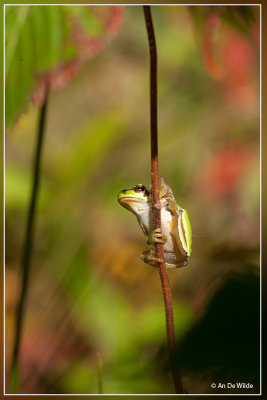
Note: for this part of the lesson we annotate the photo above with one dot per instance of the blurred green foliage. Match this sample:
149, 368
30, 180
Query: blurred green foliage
37, 40
90, 294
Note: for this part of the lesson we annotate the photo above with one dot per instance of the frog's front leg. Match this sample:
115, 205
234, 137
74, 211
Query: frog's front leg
156, 236
149, 257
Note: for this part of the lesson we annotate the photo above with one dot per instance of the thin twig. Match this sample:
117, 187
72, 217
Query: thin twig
27, 249
156, 207
100, 375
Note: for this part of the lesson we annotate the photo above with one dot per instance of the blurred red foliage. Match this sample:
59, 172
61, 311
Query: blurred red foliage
88, 46
232, 58
238, 61
58, 77
208, 48
224, 169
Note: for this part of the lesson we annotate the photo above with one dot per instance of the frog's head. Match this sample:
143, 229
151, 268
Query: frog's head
136, 199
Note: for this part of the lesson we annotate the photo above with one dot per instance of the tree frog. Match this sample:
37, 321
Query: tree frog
175, 234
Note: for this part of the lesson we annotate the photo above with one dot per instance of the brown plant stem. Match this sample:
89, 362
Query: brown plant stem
28, 244
156, 206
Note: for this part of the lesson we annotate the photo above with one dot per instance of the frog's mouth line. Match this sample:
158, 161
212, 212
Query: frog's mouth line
131, 198
126, 201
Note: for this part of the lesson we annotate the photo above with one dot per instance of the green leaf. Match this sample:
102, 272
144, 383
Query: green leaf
31, 49
90, 25
39, 42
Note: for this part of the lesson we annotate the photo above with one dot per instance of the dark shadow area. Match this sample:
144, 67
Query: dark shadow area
224, 346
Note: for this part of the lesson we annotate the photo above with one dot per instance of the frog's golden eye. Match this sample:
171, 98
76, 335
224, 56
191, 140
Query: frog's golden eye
139, 189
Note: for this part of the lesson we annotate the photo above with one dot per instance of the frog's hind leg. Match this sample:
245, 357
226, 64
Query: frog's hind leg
179, 265
172, 206
173, 262
149, 257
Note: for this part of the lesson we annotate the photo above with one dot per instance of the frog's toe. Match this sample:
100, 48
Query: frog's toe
149, 257
157, 236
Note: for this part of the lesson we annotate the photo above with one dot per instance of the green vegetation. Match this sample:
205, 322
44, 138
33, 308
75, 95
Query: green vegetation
90, 296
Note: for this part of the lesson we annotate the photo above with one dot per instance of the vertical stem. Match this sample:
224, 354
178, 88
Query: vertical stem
27, 250
100, 375
156, 206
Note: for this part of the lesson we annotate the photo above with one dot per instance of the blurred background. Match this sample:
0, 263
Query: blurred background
91, 300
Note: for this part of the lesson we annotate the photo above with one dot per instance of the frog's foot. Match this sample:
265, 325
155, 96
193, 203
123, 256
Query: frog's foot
150, 257
156, 236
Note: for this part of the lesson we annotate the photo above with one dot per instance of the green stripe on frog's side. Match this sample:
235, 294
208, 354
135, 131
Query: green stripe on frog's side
185, 232
175, 234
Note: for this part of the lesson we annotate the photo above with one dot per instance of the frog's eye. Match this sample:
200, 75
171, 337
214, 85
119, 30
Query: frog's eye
139, 188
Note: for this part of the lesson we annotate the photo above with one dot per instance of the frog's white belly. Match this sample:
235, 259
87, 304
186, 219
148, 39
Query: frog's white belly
170, 245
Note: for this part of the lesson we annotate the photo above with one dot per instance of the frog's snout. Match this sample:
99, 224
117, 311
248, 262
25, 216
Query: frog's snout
121, 193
